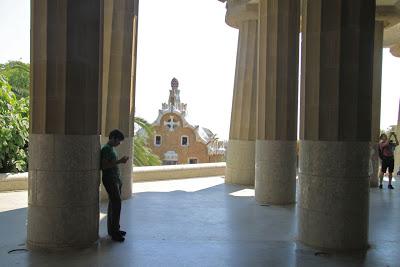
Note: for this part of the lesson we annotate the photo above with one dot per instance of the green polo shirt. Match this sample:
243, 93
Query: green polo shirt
108, 153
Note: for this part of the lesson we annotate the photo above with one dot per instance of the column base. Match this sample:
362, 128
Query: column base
63, 195
334, 195
240, 167
275, 172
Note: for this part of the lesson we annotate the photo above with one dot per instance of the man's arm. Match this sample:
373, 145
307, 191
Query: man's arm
395, 137
107, 164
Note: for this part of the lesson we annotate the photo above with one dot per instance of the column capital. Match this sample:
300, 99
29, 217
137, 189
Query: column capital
395, 50
238, 11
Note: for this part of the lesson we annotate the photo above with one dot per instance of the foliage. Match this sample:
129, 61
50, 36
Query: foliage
143, 156
14, 124
17, 74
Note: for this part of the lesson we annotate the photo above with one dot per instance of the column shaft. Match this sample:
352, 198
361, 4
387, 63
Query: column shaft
118, 81
376, 104
277, 101
336, 111
64, 148
397, 151
240, 157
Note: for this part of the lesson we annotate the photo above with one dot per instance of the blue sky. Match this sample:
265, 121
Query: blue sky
189, 40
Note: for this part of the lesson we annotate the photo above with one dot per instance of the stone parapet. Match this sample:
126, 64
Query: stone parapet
19, 181
154, 173
13, 181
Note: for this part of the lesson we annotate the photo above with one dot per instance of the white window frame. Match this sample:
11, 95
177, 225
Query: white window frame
187, 138
155, 140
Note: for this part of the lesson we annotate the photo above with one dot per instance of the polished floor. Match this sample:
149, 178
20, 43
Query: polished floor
203, 222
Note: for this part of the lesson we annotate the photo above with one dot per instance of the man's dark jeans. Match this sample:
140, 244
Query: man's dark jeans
113, 189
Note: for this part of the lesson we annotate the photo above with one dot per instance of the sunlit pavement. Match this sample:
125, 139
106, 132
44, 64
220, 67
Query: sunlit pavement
203, 222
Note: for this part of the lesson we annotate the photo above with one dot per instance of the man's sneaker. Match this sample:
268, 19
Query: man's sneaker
118, 238
123, 233
380, 186
390, 186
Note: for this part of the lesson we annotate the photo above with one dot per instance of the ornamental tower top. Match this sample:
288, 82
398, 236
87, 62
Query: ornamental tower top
174, 101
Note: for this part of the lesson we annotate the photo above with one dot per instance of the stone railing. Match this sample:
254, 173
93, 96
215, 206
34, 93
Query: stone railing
19, 181
13, 181
141, 174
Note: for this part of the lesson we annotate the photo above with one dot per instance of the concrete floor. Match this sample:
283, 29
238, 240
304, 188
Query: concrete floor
203, 222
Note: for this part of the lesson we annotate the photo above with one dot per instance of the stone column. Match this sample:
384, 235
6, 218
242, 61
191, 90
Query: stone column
64, 148
118, 81
241, 145
376, 104
336, 97
277, 101
397, 151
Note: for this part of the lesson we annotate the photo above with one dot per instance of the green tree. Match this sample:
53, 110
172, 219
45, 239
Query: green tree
17, 75
14, 125
143, 156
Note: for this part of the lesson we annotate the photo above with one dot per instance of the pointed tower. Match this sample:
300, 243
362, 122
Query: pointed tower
174, 101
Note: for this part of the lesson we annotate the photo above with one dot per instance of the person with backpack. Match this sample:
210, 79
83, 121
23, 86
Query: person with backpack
386, 153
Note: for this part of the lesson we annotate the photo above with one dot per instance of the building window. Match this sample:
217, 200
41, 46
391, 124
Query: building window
157, 140
170, 162
184, 140
192, 161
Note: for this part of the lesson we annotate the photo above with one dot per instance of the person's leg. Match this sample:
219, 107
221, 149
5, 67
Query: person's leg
381, 178
109, 216
107, 186
384, 166
391, 168
390, 180
123, 233
114, 209
117, 207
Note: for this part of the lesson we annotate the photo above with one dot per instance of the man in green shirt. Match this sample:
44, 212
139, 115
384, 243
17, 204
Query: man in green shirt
112, 183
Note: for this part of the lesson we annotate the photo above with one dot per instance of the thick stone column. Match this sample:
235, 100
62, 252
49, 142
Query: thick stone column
376, 104
241, 146
277, 101
336, 97
397, 151
118, 81
64, 148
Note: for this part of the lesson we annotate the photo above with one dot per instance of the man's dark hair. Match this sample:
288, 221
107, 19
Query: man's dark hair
117, 134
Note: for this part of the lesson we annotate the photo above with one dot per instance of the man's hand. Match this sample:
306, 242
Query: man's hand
124, 159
